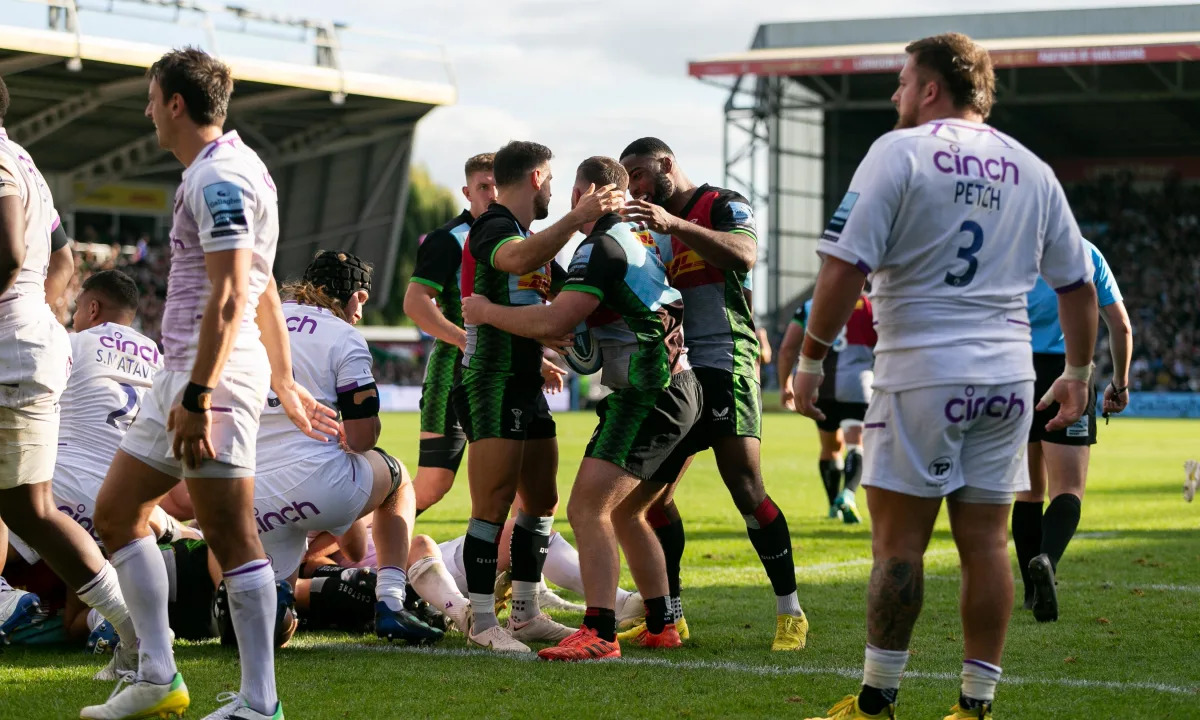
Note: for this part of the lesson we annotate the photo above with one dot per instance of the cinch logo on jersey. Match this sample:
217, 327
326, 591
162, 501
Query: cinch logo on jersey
272, 520
149, 353
85, 522
951, 163
298, 324
970, 407
123, 355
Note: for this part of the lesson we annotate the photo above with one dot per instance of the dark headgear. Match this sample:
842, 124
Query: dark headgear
339, 274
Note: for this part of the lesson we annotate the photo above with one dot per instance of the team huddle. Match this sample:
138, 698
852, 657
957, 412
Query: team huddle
263, 403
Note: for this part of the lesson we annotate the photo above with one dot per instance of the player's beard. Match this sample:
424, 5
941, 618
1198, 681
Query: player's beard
664, 189
905, 120
541, 207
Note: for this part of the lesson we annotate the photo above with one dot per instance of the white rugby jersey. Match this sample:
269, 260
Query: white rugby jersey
328, 357
19, 176
953, 221
227, 201
113, 368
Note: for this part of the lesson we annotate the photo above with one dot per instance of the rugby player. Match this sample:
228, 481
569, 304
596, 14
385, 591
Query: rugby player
708, 243
1058, 461
304, 485
499, 397
35, 362
225, 343
434, 302
843, 399
952, 220
617, 283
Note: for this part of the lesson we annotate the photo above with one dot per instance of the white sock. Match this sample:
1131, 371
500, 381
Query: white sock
103, 594
676, 607
483, 612
979, 680
252, 601
622, 596
94, 619
389, 587
433, 582
788, 605
140, 569
562, 564
525, 605
882, 668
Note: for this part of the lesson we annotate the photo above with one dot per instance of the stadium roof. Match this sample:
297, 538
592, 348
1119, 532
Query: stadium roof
1020, 52
95, 86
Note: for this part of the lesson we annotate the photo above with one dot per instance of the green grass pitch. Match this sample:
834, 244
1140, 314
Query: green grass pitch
1125, 646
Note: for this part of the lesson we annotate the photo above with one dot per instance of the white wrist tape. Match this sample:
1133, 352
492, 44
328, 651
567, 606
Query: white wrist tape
817, 340
1080, 374
810, 366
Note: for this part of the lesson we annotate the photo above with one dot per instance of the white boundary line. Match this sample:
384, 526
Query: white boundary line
760, 670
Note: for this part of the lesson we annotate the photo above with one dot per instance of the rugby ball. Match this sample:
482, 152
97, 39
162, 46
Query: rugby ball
583, 356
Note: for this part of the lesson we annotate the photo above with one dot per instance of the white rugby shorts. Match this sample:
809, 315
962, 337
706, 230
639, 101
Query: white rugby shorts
962, 440
452, 558
326, 493
237, 403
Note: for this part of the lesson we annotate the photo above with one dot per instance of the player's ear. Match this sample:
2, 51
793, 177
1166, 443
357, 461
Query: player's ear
667, 163
466, 191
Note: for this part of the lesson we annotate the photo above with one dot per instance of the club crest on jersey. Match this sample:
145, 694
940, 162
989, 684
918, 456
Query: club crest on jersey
740, 212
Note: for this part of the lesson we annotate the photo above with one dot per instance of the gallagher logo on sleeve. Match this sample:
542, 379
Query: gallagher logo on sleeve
224, 200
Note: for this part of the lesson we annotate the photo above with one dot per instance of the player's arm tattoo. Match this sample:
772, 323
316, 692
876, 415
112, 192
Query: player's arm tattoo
894, 602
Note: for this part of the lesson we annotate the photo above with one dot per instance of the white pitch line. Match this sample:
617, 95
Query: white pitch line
765, 670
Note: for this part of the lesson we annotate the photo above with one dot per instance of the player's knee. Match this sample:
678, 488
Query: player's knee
422, 546
747, 491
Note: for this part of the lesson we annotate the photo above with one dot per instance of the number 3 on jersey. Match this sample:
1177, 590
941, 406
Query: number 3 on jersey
968, 254
131, 399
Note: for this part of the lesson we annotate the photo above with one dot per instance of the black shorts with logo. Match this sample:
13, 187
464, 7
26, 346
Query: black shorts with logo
835, 412
1049, 367
502, 405
640, 430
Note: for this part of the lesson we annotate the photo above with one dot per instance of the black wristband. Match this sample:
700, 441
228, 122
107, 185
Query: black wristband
1117, 390
196, 398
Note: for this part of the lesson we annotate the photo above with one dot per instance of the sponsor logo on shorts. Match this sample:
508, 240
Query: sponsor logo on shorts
272, 520
939, 470
1079, 429
722, 414
516, 419
971, 406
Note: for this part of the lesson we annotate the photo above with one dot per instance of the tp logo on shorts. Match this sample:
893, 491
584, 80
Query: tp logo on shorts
940, 469
516, 419
970, 407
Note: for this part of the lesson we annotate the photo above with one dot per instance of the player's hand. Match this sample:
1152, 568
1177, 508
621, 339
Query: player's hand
192, 442
787, 398
652, 216
475, 308
311, 417
554, 377
1071, 396
558, 344
805, 395
1115, 402
595, 204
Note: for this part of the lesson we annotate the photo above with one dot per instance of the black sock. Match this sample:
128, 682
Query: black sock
831, 481
1058, 526
1027, 536
853, 468
658, 614
873, 700
603, 621
671, 537
768, 531
481, 548
528, 551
